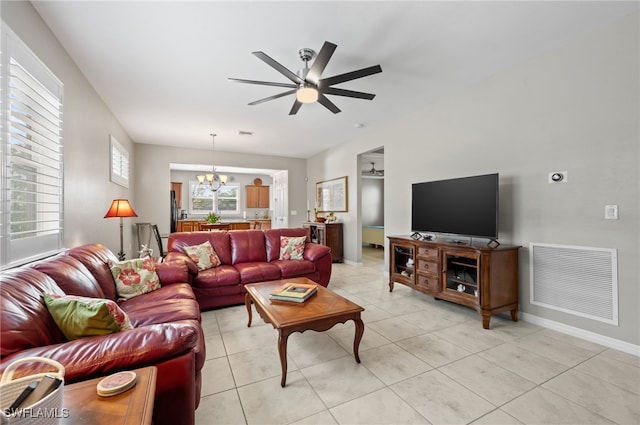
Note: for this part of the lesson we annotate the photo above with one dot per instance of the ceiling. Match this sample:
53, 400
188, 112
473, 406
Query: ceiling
162, 67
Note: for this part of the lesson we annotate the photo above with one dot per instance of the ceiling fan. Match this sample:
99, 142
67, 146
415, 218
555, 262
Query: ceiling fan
307, 84
373, 171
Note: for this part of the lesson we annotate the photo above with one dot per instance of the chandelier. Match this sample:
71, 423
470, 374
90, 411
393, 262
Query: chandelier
211, 180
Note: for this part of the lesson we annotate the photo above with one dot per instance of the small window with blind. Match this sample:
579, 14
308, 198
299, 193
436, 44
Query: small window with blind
119, 163
31, 185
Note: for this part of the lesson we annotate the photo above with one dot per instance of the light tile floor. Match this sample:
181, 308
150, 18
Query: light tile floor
423, 362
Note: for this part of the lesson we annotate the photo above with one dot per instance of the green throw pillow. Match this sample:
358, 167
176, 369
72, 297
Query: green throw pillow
78, 317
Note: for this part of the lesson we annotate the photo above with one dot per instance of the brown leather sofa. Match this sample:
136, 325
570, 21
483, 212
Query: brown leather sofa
247, 256
167, 331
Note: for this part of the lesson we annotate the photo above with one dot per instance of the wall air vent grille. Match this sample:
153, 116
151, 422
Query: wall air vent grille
582, 281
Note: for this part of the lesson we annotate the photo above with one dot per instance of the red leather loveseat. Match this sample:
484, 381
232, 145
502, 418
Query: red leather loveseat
167, 330
247, 256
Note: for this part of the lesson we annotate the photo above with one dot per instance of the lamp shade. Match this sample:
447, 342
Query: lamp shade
120, 208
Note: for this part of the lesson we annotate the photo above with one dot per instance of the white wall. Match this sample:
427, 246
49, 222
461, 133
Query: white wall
153, 178
576, 109
87, 125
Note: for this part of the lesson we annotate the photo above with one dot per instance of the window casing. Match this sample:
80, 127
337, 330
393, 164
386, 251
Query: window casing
31, 224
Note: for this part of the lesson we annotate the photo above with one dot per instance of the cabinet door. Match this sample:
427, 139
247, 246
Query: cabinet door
263, 196
333, 239
188, 226
252, 196
257, 196
461, 275
240, 226
402, 262
316, 233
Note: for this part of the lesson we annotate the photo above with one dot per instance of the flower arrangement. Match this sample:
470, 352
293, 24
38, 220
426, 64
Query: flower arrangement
212, 218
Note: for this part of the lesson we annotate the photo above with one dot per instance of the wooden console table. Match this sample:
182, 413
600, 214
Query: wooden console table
328, 234
132, 407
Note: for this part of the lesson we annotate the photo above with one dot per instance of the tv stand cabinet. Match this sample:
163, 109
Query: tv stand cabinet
480, 277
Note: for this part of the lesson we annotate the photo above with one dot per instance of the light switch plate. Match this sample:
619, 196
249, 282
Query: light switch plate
611, 212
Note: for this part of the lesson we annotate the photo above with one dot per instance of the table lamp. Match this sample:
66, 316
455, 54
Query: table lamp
120, 208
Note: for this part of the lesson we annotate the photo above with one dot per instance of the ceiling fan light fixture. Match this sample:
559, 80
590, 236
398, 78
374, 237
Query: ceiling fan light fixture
307, 81
307, 94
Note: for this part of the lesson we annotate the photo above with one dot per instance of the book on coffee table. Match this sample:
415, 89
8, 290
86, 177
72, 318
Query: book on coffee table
294, 292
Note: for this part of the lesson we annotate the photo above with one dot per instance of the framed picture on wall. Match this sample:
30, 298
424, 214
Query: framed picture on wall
332, 195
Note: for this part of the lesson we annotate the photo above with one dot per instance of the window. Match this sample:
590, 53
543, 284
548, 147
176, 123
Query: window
119, 163
31, 224
202, 199
228, 199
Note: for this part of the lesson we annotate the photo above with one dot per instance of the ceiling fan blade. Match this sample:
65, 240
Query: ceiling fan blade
341, 78
275, 96
324, 101
348, 93
278, 67
296, 107
263, 83
321, 61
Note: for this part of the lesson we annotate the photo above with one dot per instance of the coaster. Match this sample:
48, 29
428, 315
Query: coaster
116, 384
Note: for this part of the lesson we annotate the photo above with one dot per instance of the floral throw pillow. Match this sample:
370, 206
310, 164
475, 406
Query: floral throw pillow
135, 277
79, 317
292, 248
203, 255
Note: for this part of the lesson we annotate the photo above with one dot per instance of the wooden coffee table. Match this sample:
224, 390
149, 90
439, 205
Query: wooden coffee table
319, 313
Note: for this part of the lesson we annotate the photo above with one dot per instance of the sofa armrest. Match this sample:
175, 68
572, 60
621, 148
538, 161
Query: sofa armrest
175, 271
183, 258
102, 355
313, 251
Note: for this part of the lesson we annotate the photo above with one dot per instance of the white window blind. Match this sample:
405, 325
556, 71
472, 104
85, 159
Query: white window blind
32, 172
119, 163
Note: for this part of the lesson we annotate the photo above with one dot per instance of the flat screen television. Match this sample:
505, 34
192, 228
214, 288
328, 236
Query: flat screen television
466, 206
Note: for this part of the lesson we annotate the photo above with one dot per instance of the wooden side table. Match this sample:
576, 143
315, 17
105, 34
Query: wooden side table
132, 407
329, 234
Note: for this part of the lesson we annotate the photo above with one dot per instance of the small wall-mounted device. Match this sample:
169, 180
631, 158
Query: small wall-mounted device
558, 177
611, 212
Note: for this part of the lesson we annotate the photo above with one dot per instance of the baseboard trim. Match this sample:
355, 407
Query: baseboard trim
582, 334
